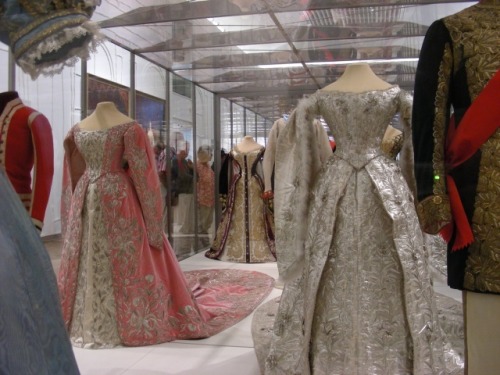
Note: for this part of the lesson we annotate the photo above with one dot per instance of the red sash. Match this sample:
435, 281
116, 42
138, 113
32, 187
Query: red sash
480, 122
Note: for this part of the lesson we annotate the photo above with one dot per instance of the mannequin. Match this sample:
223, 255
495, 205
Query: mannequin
245, 233
248, 144
104, 117
117, 267
358, 78
457, 183
27, 153
334, 219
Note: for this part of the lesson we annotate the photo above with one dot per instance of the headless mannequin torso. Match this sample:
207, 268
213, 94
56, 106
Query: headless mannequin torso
248, 144
357, 78
105, 116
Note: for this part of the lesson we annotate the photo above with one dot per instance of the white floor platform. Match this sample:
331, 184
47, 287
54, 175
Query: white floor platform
228, 353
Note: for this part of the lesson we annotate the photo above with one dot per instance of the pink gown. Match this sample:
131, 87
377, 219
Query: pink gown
119, 280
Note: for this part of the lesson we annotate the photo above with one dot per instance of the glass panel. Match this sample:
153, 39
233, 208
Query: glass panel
4, 67
110, 62
250, 123
182, 173
261, 130
204, 167
238, 129
150, 78
225, 126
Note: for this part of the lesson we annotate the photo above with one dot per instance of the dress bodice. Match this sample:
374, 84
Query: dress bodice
358, 120
91, 145
246, 160
102, 150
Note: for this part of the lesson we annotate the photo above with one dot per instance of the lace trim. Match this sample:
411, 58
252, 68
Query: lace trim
32, 61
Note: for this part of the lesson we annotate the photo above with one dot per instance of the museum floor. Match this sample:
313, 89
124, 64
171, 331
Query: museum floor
227, 353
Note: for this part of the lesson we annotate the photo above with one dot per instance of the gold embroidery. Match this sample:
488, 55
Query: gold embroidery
439, 132
476, 40
434, 211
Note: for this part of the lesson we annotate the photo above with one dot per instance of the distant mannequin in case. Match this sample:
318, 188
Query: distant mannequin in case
26, 149
245, 233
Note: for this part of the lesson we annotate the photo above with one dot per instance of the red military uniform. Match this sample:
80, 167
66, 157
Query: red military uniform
26, 152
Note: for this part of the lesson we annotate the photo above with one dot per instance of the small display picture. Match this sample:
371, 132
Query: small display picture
101, 90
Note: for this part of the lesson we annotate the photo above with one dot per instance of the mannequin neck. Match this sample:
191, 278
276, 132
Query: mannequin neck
248, 144
6, 97
105, 116
358, 78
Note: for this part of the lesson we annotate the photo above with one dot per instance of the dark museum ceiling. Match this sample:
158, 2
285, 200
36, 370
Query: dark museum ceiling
266, 54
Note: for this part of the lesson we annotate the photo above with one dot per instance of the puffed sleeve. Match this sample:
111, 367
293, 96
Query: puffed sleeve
142, 170
43, 171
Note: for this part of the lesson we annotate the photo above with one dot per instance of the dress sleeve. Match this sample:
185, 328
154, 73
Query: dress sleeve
142, 170
431, 114
73, 168
225, 174
297, 163
325, 150
270, 154
406, 156
43, 172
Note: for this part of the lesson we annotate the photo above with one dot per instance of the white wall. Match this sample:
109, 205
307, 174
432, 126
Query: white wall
58, 98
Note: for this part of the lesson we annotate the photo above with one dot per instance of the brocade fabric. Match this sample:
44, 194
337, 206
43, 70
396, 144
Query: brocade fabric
245, 233
119, 280
363, 301
459, 55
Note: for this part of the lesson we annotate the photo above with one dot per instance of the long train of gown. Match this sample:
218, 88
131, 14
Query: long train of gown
245, 233
119, 280
363, 302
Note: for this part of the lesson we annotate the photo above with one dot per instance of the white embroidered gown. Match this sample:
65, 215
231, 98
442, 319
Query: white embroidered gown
363, 302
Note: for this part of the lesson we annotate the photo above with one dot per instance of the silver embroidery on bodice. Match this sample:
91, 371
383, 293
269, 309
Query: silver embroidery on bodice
373, 111
91, 145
